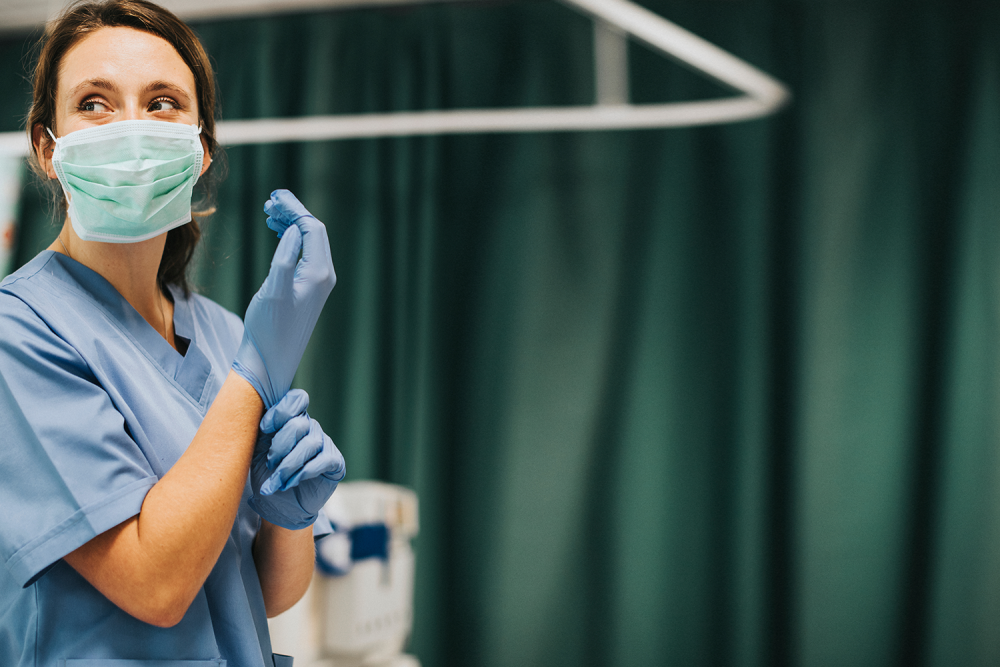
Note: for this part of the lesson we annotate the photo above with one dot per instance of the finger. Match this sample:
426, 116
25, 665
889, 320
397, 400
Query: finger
282, 478
293, 403
275, 224
275, 218
287, 205
286, 440
315, 249
285, 258
305, 449
283, 209
328, 463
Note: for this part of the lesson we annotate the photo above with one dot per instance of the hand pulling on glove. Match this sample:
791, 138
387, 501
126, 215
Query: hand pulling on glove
296, 467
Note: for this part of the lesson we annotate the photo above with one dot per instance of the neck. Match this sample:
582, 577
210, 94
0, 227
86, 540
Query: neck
130, 268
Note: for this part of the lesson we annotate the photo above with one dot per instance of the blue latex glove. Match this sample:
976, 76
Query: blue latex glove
281, 316
295, 467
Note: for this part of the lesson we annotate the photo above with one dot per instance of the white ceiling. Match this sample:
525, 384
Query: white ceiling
27, 14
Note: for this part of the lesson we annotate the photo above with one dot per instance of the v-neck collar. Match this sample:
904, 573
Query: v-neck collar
190, 370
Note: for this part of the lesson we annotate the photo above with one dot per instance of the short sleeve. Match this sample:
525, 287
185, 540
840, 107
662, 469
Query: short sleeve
69, 469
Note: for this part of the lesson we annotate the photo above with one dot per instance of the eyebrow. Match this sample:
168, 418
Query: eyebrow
94, 83
164, 85
152, 87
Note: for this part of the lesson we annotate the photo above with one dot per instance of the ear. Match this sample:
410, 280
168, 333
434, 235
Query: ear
42, 145
206, 159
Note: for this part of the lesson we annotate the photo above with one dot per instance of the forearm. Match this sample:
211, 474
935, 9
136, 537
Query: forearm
284, 560
153, 565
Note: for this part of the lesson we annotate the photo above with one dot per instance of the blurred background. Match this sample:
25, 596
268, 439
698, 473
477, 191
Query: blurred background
723, 395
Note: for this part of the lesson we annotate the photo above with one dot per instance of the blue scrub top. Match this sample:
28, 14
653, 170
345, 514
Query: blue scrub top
95, 407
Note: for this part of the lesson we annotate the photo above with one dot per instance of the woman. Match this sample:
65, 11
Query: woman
134, 411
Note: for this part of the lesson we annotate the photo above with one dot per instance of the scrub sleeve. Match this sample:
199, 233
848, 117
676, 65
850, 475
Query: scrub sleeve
74, 472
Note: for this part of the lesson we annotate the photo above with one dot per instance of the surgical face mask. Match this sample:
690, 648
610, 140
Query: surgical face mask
130, 180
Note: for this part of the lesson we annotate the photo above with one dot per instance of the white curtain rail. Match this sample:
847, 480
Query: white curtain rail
761, 96
483, 121
687, 48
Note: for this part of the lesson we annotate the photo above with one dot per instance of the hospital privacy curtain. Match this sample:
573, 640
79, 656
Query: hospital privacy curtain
712, 396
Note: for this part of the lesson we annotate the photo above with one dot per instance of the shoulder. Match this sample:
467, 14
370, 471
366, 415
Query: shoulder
37, 358
28, 278
44, 287
40, 302
36, 265
26, 306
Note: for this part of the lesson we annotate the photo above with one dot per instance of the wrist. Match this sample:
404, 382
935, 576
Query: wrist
273, 530
249, 366
283, 510
248, 395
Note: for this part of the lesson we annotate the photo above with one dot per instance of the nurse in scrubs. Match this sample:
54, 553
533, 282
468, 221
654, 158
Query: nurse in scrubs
159, 481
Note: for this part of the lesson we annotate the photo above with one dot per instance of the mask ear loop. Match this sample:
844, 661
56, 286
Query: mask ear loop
200, 154
58, 169
200, 128
54, 140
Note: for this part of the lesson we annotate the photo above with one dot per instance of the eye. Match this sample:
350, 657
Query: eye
94, 105
163, 104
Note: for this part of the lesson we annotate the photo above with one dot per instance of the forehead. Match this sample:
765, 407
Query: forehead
130, 58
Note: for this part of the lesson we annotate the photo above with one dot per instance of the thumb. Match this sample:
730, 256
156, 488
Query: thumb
295, 402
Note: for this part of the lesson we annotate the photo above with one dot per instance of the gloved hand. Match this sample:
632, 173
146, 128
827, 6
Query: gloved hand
295, 467
281, 316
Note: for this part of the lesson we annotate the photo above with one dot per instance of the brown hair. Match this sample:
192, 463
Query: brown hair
83, 18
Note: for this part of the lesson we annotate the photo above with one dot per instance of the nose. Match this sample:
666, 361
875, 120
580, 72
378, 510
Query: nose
132, 110
131, 107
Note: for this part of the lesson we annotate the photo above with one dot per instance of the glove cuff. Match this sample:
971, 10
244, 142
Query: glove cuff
291, 521
250, 366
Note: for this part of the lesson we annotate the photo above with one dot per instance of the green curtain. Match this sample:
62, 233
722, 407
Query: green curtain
707, 396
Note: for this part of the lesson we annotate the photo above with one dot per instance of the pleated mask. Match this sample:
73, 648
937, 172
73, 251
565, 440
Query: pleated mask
130, 180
